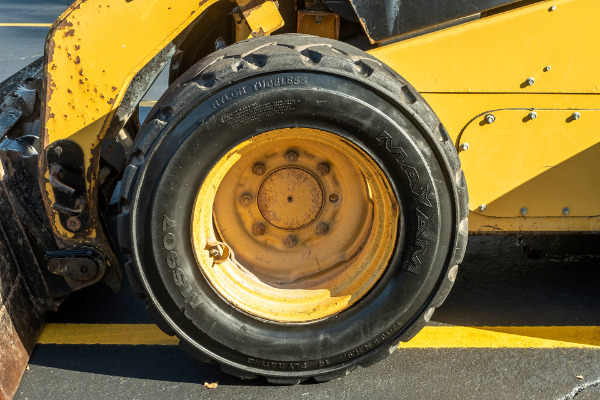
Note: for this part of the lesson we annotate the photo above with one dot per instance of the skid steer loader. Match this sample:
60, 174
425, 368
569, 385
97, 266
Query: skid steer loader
294, 205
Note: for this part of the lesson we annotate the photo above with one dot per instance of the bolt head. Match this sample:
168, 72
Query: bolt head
532, 115
322, 229
334, 197
530, 81
490, 118
548, 68
552, 8
323, 168
464, 146
73, 224
482, 208
258, 169
291, 156
566, 211
246, 199
576, 115
290, 241
258, 229
523, 211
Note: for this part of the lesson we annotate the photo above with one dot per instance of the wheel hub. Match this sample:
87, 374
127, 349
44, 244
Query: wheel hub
290, 198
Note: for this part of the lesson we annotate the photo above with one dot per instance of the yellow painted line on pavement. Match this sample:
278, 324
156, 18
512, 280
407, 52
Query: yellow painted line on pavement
430, 337
23, 24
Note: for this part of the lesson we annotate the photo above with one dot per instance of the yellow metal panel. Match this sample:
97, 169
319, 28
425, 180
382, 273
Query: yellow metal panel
545, 163
262, 17
499, 53
93, 51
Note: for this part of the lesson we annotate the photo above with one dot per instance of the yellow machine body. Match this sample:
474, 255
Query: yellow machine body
523, 174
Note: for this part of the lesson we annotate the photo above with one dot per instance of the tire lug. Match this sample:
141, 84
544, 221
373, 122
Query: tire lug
323, 168
246, 199
258, 169
291, 156
290, 241
322, 229
258, 229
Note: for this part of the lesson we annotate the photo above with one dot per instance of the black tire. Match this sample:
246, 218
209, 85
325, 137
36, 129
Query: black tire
337, 88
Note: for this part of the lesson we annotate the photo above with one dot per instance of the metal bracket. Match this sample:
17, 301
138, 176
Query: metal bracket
79, 267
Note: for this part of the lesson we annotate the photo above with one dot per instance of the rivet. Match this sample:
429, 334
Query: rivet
530, 81
566, 211
576, 115
523, 211
490, 118
464, 146
291, 156
532, 115
323, 168
334, 197
322, 229
258, 169
552, 8
246, 199
482, 208
258, 229
290, 241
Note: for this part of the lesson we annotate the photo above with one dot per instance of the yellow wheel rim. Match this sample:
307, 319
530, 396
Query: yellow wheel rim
294, 225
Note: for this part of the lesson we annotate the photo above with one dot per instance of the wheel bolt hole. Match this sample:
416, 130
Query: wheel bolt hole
290, 199
334, 198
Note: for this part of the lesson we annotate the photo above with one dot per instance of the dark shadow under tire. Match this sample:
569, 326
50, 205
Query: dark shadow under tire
262, 85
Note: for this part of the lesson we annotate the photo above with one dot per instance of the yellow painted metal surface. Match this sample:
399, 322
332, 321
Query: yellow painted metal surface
319, 23
544, 165
499, 53
263, 18
303, 242
93, 51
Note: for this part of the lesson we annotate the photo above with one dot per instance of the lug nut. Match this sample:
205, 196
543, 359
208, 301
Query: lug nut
246, 199
490, 118
322, 229
258, 229
290, 241
334, 197
291, 156
323, 168
258, 169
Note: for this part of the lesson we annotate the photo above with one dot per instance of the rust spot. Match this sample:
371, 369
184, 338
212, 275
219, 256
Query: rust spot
69, 90
114, 88
53, 66
77, 47
81, 81
51, 116
95, 90
77, 60
111, 101
81, 72
70, 32
101, 96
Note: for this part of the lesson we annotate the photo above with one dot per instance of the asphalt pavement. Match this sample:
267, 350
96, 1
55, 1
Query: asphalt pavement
529, 306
